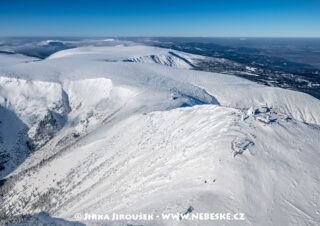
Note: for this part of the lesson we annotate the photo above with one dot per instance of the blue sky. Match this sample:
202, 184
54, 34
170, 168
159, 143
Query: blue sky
226, 18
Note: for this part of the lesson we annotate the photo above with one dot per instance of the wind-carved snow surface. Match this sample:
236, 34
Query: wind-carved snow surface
131, 129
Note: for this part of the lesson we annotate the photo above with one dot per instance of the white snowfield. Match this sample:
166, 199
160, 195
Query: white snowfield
132, 129
11, 58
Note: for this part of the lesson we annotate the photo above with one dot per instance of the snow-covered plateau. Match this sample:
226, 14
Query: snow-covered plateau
132, 129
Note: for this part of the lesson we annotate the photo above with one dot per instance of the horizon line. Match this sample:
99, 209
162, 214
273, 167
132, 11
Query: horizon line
145, 36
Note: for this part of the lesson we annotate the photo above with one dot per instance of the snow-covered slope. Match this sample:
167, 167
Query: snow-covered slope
11, 58
131, 129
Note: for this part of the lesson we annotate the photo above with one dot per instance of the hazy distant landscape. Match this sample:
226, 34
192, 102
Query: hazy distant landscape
291, 63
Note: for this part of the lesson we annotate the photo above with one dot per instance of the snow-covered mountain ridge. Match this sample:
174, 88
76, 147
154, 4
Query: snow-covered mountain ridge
132, 129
